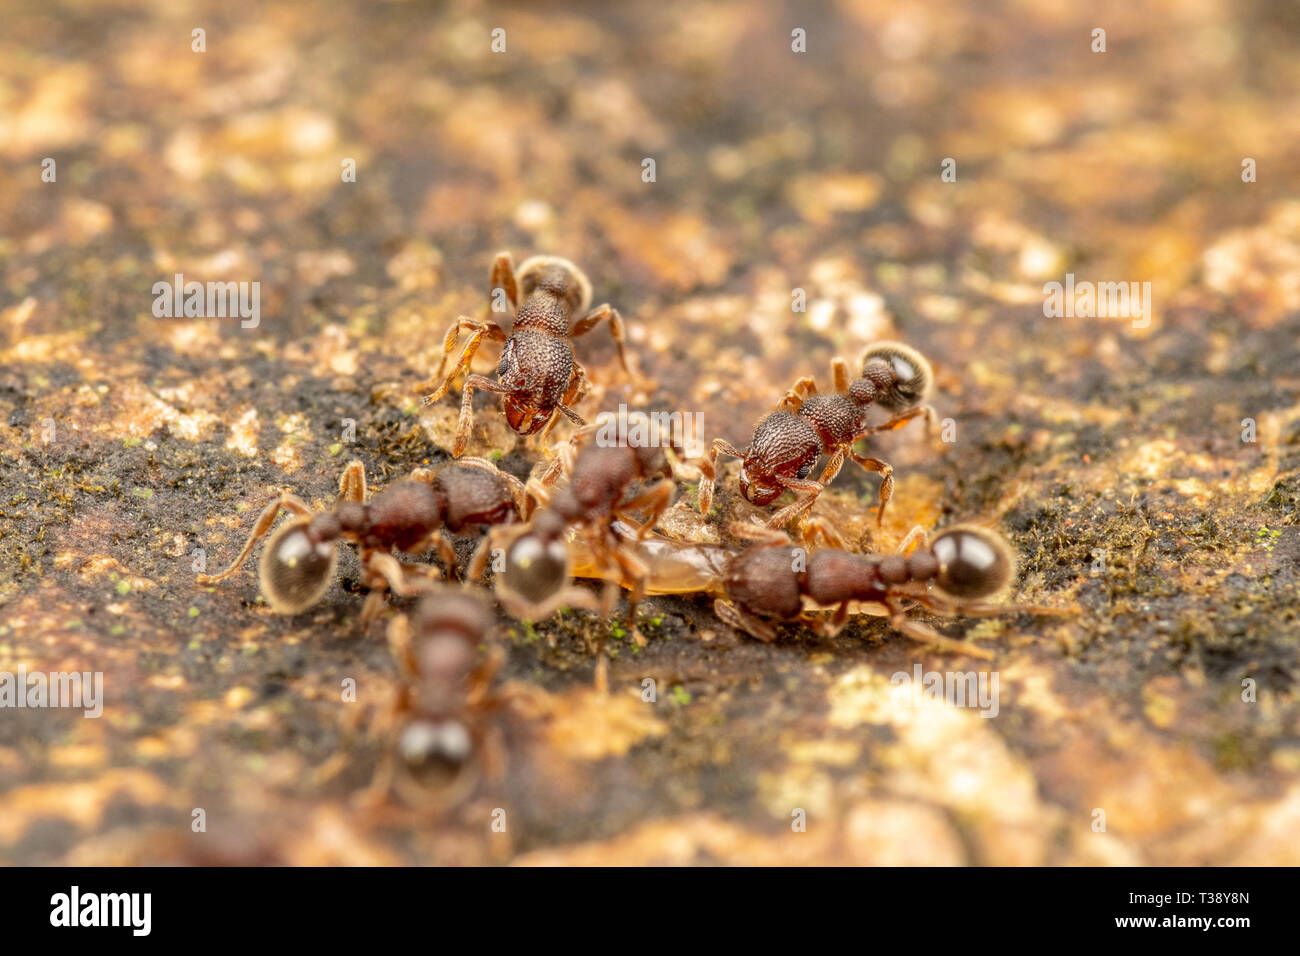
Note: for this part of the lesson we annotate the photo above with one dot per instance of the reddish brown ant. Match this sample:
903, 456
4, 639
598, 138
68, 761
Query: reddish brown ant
787, 442
441, 746
538, 373
960, 571
606, 486
299, 560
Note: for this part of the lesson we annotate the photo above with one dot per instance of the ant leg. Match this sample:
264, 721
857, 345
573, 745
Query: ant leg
886, 472
834, 465
480, 678
791, 511
479, 329
936, 602
840, 375
571, 415
399, 642
656, 499
570, 596
288, 502
380, 784
503, 278
568, 455
466, 420
538, 494
372, 607
898, 421
759, 534
816, 528
801, 508
916, 534
446, 553
616, 329
798, 392
709, 471
928, 635
837, 621
352, 483
478, 562
498, 537
386, 573
730, 614
635, 571
397, 576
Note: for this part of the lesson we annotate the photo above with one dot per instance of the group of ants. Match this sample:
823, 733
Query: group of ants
592, 512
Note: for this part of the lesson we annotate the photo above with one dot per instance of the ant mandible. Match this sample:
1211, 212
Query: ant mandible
538, 373
787, 442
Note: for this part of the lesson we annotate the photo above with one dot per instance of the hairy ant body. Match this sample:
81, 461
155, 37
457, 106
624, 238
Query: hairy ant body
958, 572
538, 373
606, 488
300, 558
441, 745
787, 442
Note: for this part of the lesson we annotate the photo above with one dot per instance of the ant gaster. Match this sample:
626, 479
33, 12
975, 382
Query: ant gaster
787, 442
538, 373
299, 560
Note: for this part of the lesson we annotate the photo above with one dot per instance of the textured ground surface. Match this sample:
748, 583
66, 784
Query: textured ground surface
1111, 456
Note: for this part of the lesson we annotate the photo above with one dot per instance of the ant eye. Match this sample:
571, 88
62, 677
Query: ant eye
536, 569
973, 562
295, 570
911, 373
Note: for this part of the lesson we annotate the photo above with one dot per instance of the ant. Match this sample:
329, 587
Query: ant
959, 571
538, 373
443, 747
606, 488
787, 442
299, 560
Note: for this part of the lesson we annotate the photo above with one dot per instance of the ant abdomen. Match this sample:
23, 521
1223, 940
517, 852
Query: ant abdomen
558, 278
537, 563
973, 563
901, 374
296, 568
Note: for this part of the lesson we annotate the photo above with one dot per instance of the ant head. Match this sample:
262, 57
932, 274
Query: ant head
758, 491
537, 564
555, 275
296, 568
436, 747
974, 563
900, 373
